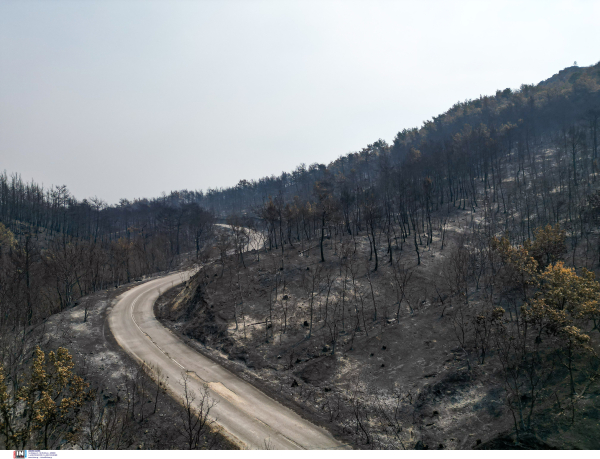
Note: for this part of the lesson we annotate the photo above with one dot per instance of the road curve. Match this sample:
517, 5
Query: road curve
248, 415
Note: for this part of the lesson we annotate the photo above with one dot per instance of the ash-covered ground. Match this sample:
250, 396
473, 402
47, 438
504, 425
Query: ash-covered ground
374, 356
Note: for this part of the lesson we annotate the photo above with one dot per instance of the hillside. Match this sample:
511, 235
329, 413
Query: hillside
435, 293
570, 75
525, 118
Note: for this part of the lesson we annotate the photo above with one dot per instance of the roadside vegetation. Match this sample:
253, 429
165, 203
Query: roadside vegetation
84, 393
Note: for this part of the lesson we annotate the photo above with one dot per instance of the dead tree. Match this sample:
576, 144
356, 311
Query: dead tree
194, 422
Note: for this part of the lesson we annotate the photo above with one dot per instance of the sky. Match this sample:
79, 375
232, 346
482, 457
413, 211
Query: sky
127, 99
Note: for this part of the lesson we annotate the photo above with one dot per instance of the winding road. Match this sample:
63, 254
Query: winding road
251, 418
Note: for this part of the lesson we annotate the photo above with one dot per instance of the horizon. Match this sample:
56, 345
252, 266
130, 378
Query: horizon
256, 179
87, 87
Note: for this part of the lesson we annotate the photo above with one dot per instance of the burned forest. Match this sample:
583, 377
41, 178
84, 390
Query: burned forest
436, 292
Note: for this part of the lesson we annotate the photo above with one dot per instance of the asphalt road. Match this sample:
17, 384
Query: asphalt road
249, 416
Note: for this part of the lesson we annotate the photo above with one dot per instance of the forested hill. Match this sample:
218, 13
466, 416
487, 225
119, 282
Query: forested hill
569, 75
568, 101
530, 155
466, 142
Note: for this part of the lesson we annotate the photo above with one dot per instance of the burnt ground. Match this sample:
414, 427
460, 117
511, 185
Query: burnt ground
401, 384
109, 370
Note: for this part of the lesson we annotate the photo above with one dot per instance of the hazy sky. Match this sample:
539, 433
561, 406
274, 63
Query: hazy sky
129, 99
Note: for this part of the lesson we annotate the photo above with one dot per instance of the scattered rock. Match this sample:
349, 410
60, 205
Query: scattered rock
295, 383
382, 365
383, 348
285, 297
372, 354
306, 323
